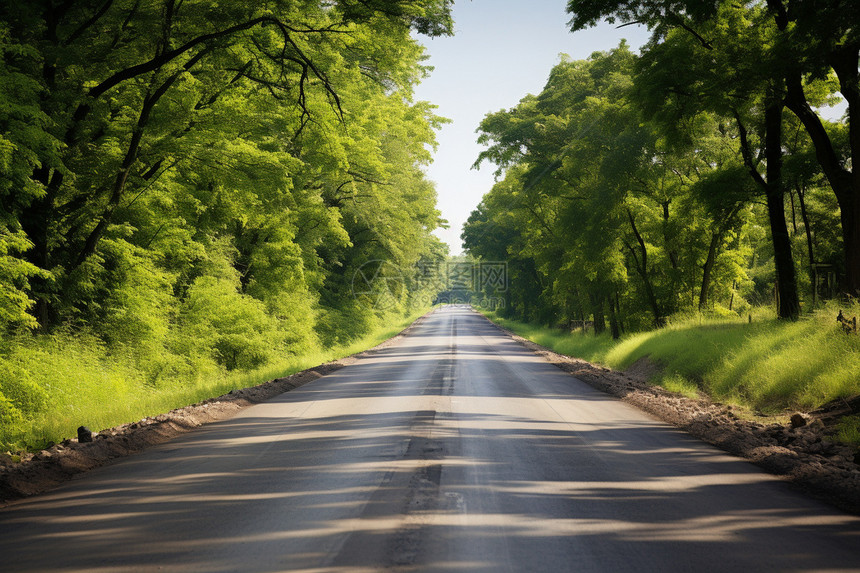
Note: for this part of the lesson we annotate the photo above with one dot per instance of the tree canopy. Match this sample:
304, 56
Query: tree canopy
198, 183
633, 188
763, 57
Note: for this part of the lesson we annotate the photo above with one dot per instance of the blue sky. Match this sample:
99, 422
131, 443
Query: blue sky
501, 51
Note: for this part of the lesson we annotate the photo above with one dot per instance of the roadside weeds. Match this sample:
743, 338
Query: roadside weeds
47, 469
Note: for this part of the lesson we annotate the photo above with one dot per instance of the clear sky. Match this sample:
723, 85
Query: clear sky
501, 51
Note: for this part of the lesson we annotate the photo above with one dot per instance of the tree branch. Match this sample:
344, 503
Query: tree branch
746, 152
796, 101
155, 63
89, 23
121, 179
680, 22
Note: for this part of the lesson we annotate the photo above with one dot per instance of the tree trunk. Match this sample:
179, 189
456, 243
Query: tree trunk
804, 215
597, 312
642, 269
806, 226
788, 305
845, 64
850, 216
845, 183
706, 270
793, 213
613, 320
786, 281
667, 239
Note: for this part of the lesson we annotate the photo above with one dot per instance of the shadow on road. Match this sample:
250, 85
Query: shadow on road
439, 456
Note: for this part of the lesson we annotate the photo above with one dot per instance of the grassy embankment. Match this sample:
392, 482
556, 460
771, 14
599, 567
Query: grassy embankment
765, 366
85, 386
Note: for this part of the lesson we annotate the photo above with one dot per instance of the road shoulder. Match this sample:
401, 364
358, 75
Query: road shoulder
802, 456
47, 469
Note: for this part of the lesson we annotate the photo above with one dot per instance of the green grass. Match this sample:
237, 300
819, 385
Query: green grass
767, 366
87, 387
585, 346
680, 385
849, 430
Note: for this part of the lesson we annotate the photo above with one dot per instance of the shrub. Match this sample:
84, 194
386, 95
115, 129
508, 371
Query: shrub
233, 328
9, 414
18, 387
14, 279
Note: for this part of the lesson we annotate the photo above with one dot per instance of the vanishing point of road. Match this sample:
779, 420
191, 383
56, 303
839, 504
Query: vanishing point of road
455, 449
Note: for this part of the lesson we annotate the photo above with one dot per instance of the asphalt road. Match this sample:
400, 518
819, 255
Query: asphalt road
454, 450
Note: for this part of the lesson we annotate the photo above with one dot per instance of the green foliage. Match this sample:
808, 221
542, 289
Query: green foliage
747, 62
90, 387
234, 328
287, 130
10, 416
653, 13
598, 216
849, 430
15, 273
188, 188
634, 188
17, 385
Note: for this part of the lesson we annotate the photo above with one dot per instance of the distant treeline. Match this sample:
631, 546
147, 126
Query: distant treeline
697, 176
197, 184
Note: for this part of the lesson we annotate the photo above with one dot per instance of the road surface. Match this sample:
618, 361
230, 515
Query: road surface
454, 450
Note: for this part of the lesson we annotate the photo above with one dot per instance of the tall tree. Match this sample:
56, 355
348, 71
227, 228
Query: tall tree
808, 40
131, 89
618, 220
